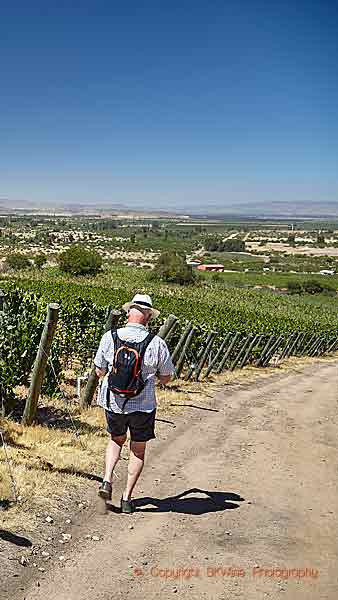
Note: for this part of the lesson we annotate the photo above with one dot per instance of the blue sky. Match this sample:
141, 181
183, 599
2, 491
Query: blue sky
169, 104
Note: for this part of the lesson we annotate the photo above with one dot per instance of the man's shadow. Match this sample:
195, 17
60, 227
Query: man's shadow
12, 538
212, 502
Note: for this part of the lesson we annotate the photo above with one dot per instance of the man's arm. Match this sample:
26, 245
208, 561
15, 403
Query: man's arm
165, 368
164, 379
100, 372
100, 362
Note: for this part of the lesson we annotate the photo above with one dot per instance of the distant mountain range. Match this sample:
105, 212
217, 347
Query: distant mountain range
104, 209
275, 210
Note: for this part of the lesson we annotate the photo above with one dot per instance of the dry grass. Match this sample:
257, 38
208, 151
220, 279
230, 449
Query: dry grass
49, 464
52, 467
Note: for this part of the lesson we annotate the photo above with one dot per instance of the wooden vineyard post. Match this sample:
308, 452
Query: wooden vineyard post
271, 351
171, 332
325, 345
299, 335
320, 350
333, 346
316, 348
194, 364
208, 345
246, 343
242, 363
297, 350
40, 364
265, 350
112, 320
180, 361
202, 357
329, 341
299, 344
308, 345
181, 342
213, 363
312, 346
288, 344
93, 380
228, 352
167, 327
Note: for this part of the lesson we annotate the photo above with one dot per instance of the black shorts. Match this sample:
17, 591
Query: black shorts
140, 424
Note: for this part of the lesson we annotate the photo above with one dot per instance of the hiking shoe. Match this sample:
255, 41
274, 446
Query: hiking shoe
127, 506
105, 490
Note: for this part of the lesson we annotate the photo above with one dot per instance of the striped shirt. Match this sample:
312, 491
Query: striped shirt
156, 360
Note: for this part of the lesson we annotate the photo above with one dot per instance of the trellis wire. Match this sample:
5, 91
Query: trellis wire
66, 401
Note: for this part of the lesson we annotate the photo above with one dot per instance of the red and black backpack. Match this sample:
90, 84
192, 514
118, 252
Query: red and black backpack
125, 378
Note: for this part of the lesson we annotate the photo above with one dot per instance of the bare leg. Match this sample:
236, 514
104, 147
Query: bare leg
112, 455
135, 466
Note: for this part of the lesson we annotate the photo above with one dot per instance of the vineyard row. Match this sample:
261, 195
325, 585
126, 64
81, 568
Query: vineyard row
198, 350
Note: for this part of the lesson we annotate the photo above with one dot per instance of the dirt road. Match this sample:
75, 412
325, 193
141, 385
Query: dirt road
249, 486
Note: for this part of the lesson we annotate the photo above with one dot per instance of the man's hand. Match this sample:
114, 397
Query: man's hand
164, 379
100, 372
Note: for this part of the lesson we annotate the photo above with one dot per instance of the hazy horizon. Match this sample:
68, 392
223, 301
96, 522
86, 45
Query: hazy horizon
273, 210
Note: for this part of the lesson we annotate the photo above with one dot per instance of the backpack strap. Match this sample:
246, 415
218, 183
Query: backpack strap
142, 345
116, 341
145, 343
108, 397
115, 337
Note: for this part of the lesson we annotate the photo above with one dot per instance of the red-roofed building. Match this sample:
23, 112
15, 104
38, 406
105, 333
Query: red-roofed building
217, 268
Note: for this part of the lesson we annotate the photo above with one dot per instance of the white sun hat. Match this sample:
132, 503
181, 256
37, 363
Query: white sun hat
141, 301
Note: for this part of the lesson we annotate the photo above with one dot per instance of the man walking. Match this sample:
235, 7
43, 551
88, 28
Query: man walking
129, 360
